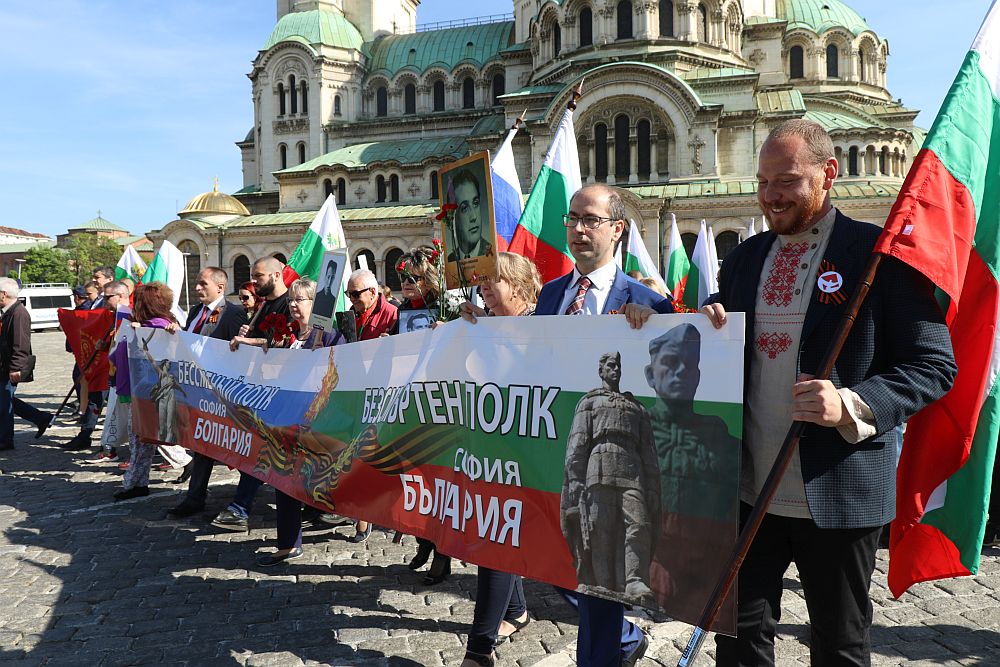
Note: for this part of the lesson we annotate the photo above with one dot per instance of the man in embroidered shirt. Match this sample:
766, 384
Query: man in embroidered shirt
828, 511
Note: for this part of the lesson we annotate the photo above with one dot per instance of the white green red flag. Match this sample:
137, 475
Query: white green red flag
636, 256
168, 267
678, 265
130, 265
325, 233
946, 224
540, 235
703, 277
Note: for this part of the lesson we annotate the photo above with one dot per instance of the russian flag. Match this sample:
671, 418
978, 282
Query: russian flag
507, 202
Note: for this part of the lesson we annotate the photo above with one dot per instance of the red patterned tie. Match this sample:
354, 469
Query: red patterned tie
575, 306
201, 320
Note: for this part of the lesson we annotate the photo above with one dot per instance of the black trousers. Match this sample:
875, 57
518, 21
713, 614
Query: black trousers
499, 597
835, 568
201, 473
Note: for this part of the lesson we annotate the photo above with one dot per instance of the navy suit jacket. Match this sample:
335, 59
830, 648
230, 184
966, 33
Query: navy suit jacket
623, 290
231, 319
898, 358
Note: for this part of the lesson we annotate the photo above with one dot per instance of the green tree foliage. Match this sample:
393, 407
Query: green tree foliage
88, 251
46, 265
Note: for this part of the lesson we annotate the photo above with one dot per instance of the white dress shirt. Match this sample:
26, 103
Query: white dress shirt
211, 309
601, 281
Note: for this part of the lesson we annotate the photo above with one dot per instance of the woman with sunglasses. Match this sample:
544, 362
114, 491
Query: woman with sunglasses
248, 297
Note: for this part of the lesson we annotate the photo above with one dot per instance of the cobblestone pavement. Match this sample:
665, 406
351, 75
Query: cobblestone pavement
85, 581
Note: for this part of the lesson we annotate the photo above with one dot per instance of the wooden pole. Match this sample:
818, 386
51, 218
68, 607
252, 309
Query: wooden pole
725, 583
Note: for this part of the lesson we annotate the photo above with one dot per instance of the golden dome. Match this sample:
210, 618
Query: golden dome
214, 203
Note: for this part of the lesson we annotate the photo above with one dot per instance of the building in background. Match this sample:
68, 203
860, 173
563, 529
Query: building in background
105, 229
13, 244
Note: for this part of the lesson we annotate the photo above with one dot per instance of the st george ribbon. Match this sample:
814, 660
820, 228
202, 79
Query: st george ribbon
575, 451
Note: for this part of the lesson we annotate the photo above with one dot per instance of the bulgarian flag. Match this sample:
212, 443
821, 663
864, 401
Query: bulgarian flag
636, 256
946, 224
678, 264
168, 267
325, 233
703, 277
540, 235
130, 265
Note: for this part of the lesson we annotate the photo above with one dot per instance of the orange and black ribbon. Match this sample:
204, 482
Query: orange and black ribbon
838, 297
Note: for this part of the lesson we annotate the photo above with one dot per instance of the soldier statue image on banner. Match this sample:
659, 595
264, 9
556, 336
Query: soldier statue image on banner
610, 502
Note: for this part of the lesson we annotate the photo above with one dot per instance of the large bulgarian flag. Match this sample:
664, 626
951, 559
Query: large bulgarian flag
946, 224
326, 232
540, 235
168, 267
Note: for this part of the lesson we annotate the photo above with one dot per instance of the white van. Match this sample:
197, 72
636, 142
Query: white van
43, 300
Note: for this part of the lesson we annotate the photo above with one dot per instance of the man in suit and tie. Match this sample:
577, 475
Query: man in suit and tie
793, 282
102, 275
596, 286
214, 317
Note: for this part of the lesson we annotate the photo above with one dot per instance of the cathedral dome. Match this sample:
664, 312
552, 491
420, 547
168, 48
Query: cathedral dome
316, 26
214, 203
820, 16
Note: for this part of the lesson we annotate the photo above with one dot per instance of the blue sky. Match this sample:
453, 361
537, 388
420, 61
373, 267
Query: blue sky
132, 108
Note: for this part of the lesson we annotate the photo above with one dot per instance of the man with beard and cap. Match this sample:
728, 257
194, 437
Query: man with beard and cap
273, 297
699, 476
826, 515
610, 498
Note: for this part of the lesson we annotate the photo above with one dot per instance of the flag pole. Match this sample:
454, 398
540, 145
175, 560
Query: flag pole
725, 583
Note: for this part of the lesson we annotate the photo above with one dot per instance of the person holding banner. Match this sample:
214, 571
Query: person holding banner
829, 509
374, 315
248, 298
302, 296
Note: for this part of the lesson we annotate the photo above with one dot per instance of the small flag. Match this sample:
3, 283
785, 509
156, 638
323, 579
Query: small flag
678, 264
636, 256
325, 233
702, 281
168, 267
130, 265
507, 202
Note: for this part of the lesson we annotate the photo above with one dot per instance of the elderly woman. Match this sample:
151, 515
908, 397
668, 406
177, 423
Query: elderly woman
301, 296
500, 609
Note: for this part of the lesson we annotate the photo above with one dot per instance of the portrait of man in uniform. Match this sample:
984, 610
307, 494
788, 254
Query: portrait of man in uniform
469, 233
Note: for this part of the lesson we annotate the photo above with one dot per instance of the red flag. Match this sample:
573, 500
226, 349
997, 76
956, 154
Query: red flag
83, 329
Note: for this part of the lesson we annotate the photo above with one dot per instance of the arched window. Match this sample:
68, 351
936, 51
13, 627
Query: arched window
394, 188
796, 69
411, 57
666, 18
336, 105
688, 241
327, 188
439, 95
369, 259
381, 102
623, 151
883, 161
702, 22
380, 188
292, 91
281, 99
499, 88
725, 242
280, 257
341, 192
302, 153
601, 152
556, 40
861, 67
468, 93
625, 19
283, 156
852, 161
192, 265
434, 185
410, 99
643, 147
304, 92
391, 277
586, 26
832, 62
241, 271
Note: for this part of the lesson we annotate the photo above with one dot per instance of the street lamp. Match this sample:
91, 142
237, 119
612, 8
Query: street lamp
20, 262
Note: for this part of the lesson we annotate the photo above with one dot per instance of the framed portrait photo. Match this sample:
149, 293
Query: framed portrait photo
328, 282
470, 239
415, 320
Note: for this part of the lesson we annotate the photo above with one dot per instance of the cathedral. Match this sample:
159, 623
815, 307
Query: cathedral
356, 99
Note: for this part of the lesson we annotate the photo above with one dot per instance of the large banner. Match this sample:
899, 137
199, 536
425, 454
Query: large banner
570, 450
84, 329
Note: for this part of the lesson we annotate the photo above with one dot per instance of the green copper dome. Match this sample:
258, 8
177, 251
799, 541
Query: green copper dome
316, 26
820, 16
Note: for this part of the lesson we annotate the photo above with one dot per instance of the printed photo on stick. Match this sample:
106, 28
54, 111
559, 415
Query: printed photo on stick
415, 320
468, 225
328, 285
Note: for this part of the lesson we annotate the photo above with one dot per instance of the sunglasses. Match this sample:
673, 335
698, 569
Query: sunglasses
409, 278
356, 293
245, 298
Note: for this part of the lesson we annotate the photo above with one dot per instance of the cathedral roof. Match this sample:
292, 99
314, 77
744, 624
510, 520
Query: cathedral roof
404, 151
446, 48
316, 26
98, 224
214, 203
820, 16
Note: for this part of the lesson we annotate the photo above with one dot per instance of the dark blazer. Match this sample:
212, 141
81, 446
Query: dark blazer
228, 325
15, 340
898, 358
623, 290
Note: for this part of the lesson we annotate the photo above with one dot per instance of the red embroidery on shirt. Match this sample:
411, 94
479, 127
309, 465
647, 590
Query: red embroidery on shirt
773, 343
781, 280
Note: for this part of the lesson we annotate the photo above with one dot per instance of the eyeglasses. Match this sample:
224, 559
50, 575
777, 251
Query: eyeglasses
588, 221
301, 298
356, 293
245, 298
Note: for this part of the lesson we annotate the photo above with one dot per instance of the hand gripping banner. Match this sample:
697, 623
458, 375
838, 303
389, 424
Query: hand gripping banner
575, 451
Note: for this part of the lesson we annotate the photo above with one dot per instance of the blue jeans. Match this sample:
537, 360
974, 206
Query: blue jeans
7, 415
605, 638
95, 403
499, 597
246, 490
